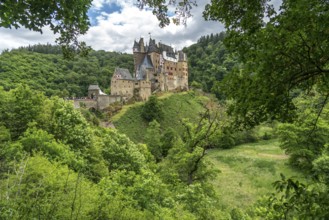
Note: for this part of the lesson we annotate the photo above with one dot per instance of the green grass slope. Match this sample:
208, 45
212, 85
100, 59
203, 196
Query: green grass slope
248, 171
175, 107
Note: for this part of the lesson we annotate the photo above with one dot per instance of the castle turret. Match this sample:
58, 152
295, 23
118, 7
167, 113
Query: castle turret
136, 46
141, 45
139, 54
153, 47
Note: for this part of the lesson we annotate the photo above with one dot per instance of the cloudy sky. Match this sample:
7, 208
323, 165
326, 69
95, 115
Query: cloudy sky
115, 24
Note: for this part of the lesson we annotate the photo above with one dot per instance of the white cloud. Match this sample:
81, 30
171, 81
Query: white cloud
14, 38
118, 30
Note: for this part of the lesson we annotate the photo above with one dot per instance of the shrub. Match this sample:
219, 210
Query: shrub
152, 110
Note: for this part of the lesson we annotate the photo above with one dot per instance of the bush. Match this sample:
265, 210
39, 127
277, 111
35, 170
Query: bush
246, 136
229, 138
152, 109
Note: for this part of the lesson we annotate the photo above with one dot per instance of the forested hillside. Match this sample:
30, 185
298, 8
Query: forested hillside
43, 68
209, 62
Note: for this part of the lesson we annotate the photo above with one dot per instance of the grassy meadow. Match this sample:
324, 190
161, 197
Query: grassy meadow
248, 171
175, 107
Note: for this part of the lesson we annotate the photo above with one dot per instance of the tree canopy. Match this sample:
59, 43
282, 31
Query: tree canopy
160, 10
68, 18
43, 68
283, 52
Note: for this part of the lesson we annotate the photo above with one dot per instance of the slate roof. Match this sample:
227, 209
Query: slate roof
153, 47
136, 44
93, 87
146, 64
123, 73
96, 87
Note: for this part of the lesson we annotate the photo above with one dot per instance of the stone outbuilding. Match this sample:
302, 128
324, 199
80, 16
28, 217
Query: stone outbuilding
94, 91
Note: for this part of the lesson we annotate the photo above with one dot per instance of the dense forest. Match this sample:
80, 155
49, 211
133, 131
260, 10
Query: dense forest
43, 68
209, 62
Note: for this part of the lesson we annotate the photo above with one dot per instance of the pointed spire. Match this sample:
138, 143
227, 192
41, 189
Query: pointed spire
141, 45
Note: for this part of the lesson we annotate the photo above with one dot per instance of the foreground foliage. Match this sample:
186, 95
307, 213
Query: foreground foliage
281, 57
305, 141
69, 19
56, 165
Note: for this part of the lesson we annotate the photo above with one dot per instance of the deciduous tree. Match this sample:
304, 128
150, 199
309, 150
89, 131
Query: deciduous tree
282, 51
68, 18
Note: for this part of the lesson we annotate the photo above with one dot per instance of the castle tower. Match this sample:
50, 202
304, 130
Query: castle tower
141, 45
138, 54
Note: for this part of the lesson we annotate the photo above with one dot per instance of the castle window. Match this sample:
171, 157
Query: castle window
136, 84
170, 68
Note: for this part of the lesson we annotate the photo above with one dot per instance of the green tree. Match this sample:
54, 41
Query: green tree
69, 19
306, 138
153, 139
20, 107
186, 157
36, 141
281, 52
45, 190
168, 140
43, 69
120, 153
66, 124
152, 109
209, 62
294, 199
160, 10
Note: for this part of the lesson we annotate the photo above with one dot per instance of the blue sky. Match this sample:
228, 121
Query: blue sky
115, 24
108, 8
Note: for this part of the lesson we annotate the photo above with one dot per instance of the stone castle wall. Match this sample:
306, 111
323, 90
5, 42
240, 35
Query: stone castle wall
122, 87
100, 102
128, 88
88, 103
103, 101
144, 89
